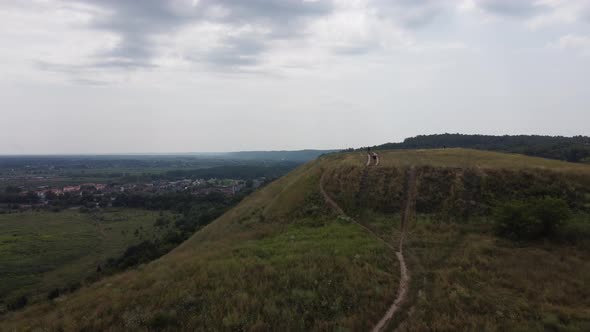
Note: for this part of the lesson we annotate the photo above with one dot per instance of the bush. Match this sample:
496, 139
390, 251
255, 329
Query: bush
161, 321
53, 294
532, 219
137, 254
18, 303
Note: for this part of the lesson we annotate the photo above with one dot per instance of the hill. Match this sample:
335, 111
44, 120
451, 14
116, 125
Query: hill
321, 249
294, 156
573, 149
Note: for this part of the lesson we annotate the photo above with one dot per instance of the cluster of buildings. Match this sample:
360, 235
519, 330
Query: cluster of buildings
197, 187
42, 190
227, 187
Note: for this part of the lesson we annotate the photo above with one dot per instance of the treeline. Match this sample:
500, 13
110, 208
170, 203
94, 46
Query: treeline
12, 199
189, 214
179, 202
16, 197
55, 163
573, 149
237, 172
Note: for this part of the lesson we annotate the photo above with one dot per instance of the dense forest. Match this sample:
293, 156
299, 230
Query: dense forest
573, 149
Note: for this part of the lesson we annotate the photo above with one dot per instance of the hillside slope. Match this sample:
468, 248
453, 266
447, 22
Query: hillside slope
283, 259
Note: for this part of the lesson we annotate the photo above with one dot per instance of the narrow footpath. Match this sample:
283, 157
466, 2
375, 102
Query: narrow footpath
404, 284
407, 217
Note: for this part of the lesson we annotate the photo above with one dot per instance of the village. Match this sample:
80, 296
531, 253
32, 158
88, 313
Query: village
105, 194
228, 187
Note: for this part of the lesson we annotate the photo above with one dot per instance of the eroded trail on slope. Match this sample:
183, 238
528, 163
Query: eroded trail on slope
408, 213
404, 284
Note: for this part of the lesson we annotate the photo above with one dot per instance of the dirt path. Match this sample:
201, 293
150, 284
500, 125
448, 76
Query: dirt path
407, 217
404, 274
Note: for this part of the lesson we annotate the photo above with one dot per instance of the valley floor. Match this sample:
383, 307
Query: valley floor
43, 251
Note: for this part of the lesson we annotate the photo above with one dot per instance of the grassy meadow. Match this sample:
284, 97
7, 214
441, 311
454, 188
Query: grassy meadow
41, 251
282, 260
468, 279
465, 277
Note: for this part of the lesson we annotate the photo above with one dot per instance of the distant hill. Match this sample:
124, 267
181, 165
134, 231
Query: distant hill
573, 149
296, 156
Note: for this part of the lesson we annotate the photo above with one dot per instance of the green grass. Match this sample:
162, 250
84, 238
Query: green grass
41, 251
328, 276
281, 260
467, 279
465, 158
464, 278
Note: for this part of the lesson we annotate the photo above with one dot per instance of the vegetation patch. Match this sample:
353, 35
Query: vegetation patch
43, 254
532, 219
281, 259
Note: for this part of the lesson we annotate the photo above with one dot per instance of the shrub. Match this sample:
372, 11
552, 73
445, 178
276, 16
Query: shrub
53, 294
161, 321
531, 219
162, 222
18, 303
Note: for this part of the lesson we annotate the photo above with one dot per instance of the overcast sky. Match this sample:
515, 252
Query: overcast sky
104, 76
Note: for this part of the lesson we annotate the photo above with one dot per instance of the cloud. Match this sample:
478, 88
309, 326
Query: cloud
228, 34
232, 35
512, 8
533, 13
580, 44
411, 13
562, 12
139, 23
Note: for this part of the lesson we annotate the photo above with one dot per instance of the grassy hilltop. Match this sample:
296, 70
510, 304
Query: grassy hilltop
283, 260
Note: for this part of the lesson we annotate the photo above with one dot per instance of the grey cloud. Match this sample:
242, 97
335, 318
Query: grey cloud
276, 11
513, 8
354, 50
76, 73
90, 82
411, 14
586, 14
136, 22
236, 52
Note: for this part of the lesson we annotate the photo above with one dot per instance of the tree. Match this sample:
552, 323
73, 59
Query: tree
32, 197
12, 190
531, 219
50, 195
